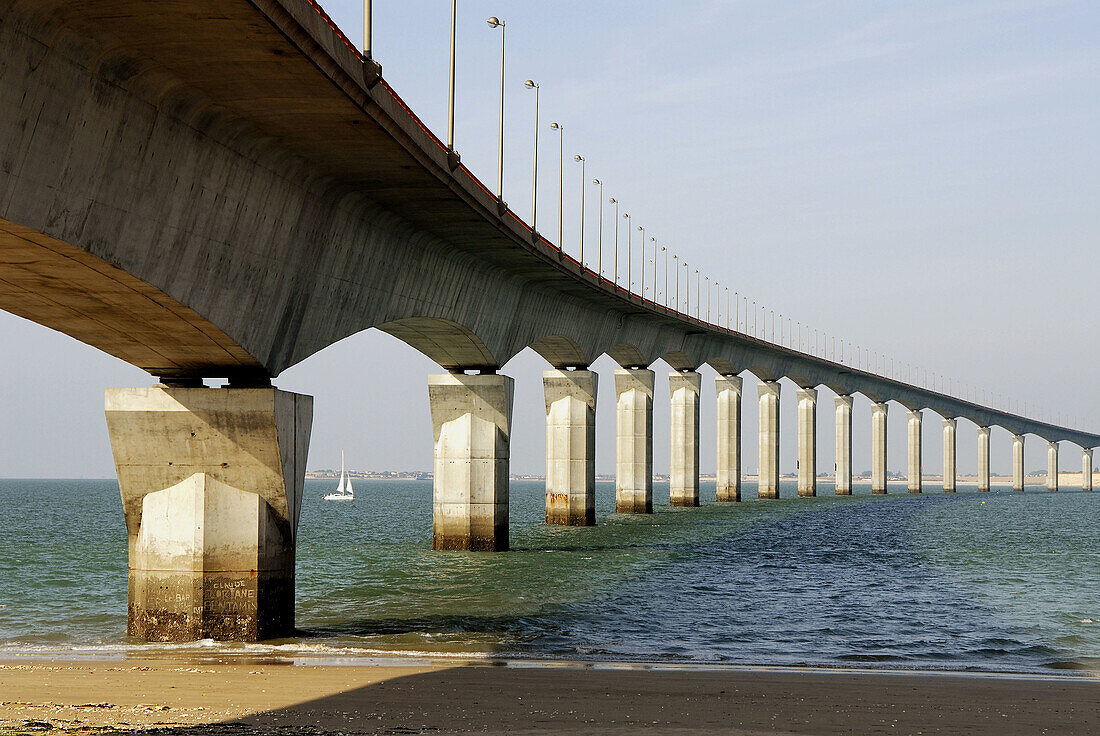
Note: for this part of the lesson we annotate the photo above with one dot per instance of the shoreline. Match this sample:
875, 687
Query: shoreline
180, 696
351, 660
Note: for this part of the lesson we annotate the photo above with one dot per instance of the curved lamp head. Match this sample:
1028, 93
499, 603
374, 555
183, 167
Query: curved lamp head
578, 158
597, 182
613, 201
557, 126
495, 22
529, 84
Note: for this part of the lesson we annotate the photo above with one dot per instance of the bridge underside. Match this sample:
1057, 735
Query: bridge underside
72, 291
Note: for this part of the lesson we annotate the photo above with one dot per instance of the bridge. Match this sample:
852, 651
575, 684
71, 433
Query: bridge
220, 189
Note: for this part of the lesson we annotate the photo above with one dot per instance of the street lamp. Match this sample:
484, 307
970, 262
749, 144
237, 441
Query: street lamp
641, 286
580, 159
708, 299
451, 83
666, 275
687, 289
616, 221
676, 267
698, 293
530, 84
654, 241
629, 259
561, 181
599, 239
495, 22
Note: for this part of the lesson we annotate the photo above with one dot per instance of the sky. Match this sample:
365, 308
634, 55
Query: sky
921, 178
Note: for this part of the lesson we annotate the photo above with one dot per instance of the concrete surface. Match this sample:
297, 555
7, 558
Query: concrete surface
768, 473
211, 483
684, 390
570, 447
807, 442
728, 390
472, 423
634, 441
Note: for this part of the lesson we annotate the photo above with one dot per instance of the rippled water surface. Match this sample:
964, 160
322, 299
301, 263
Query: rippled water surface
999, 581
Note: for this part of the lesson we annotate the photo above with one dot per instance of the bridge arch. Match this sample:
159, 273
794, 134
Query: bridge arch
451, 345
561, 352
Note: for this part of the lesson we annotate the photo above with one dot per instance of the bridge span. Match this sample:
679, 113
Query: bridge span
221, 188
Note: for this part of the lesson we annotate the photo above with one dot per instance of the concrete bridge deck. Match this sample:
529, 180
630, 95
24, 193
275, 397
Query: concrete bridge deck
219, 188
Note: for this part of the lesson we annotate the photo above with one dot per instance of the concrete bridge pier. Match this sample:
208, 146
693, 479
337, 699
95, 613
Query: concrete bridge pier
1052, 466
768, 466
684, 387
729, 437
916, 466
570, 447
1018, 463
807, 442
950, 476
211, 483
843, 445
471, 422
983, 459
634, 441
1086, 469
878, 447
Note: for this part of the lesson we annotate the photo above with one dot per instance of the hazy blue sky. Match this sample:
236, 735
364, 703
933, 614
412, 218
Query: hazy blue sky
919, 177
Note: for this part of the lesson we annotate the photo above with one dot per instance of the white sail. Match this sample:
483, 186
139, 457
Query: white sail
343, 490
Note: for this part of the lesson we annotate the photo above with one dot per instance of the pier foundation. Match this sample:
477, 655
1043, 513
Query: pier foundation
843, 445
1052, 466
211, 483
1086, 469
683, 485
570, 447
878, 447
950, 475
768, 466
983, 459
471, 423
807, 442
916, 441
1018, 463
634, 441
729, 437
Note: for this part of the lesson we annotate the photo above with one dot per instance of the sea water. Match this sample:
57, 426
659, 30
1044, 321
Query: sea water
1000, 581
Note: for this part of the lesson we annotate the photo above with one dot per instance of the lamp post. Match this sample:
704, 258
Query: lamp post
708, 299
495, 22
367, 18
629, 259
561, 182
666, 275
641, 286
599, 238
676, 267
654, 241
687, 289
450, 82
616, 221
530, 84
698, 294
727, 307
580, 159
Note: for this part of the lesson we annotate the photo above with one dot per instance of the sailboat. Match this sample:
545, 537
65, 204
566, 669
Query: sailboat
344, 492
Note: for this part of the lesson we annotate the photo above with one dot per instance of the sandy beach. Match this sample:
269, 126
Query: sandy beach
135, 696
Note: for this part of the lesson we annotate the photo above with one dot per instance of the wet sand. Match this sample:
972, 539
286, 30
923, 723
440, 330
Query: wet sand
131, 696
